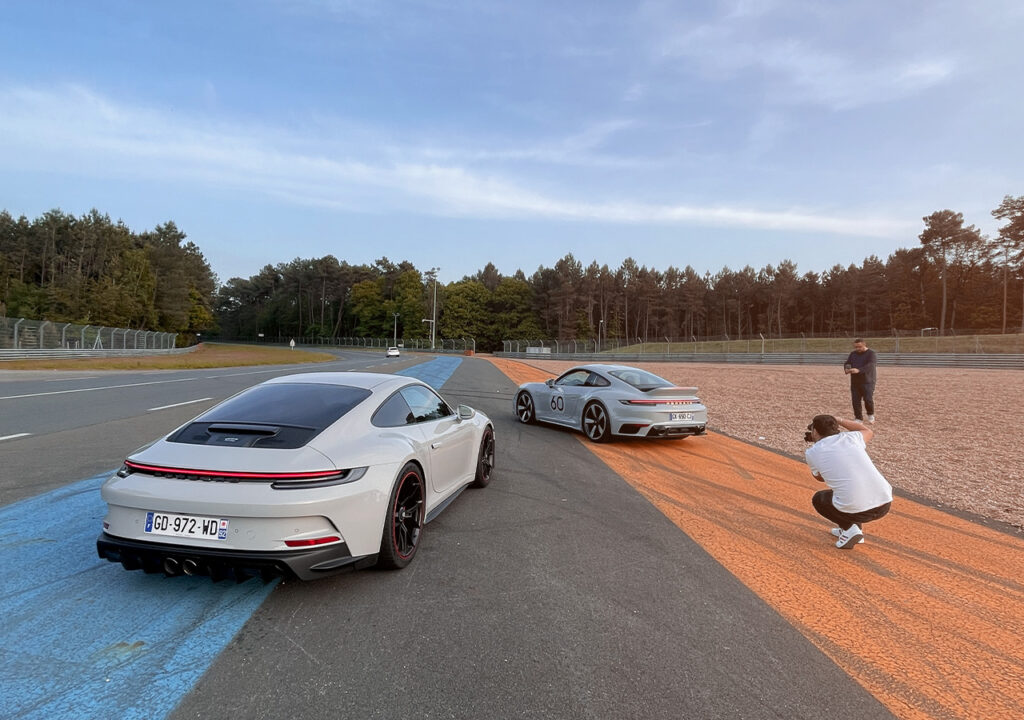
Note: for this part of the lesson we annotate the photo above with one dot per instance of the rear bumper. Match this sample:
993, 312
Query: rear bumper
237, 565
672, 430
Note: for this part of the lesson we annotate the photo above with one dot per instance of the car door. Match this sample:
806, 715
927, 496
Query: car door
566, 396
542, 400
451, 443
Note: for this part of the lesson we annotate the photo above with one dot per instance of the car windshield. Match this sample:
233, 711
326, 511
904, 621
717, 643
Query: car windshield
310, 405
640, 379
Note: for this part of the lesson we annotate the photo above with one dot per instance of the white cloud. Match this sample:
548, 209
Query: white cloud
798, 56
74, 129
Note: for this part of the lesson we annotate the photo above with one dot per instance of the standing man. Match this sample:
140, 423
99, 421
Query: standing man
857, 492
860, 366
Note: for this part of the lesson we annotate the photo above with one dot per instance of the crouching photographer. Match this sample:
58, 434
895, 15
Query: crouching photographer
857, 492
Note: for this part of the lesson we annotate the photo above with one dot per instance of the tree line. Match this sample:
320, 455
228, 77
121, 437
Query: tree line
955, 280
89, 269
93, 271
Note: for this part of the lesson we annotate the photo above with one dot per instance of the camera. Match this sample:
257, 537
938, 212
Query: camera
807, 435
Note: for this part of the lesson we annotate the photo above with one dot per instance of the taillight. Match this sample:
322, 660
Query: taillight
658, 402
341, 477
278, 480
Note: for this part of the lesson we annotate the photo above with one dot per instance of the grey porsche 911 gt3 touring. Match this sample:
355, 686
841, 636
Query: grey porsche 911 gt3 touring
300, 476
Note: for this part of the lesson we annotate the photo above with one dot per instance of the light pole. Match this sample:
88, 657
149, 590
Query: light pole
433, 325
428, 320
396, 328
600, 328
433, 315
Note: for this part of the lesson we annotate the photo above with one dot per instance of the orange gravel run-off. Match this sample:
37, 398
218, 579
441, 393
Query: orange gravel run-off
927, 614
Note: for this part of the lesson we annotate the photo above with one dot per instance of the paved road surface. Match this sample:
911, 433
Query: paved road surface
556, 592
579, 584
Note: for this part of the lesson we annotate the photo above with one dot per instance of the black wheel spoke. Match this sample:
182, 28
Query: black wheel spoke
524, 407
403, 529
485, 459
595, 422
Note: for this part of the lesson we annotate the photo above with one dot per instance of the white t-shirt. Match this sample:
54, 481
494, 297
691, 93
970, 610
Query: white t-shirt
842, 460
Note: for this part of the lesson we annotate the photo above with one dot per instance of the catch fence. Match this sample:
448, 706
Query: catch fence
441, 345
973, 351
22, 337
922, 342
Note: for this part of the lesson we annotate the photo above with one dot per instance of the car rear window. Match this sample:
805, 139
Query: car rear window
640, 379
284, 415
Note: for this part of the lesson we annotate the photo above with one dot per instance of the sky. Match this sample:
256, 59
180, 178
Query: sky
453, 133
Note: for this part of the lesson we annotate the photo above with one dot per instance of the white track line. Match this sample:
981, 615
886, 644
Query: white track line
187, 402
104, 387
12, 437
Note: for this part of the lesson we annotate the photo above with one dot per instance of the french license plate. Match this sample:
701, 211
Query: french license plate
189, 526
680, 416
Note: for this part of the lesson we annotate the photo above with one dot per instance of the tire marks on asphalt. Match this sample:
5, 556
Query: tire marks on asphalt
83, 638
928, 614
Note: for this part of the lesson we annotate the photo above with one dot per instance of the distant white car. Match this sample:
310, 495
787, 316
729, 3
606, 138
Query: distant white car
301, 476
392, 352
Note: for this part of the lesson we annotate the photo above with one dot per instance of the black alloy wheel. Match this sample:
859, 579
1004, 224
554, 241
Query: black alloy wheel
595, 422
524, 407
404, 525
485, 462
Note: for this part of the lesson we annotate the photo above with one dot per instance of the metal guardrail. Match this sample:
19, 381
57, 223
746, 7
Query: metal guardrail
13, 355
939, 360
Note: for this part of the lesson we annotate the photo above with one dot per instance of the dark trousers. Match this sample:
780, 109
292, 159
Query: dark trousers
822, 502
865, 392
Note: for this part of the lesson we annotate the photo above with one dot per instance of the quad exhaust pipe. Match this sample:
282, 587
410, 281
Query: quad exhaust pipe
172, 567
190, 567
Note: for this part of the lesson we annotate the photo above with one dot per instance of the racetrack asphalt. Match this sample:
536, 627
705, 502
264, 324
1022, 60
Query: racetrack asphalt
633, 580
558, 591
928, 614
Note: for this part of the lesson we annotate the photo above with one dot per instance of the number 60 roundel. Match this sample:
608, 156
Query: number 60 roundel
557, 403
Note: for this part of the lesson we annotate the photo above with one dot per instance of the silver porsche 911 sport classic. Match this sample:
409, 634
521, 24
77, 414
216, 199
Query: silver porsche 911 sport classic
613, 400
300, 476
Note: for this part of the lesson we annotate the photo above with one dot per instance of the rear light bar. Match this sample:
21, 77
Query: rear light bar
658, 402
175, 472
294, 480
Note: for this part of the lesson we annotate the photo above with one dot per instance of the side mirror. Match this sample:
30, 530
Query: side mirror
550, 382
466, 412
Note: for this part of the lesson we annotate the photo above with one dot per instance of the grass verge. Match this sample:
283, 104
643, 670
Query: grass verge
207, 355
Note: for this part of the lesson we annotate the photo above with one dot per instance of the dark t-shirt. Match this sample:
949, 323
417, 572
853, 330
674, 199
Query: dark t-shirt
865, 362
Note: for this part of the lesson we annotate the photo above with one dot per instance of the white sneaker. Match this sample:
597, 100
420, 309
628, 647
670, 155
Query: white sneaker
871, 419
839, 531
850, 537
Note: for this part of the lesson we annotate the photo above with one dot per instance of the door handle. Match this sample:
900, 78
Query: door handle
435, 445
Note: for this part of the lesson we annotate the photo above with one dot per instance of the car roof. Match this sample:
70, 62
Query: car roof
602, 367
364, 380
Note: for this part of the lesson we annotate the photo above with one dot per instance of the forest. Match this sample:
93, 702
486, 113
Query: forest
92, 271
88, 269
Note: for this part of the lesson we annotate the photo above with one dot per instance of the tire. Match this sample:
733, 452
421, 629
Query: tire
403, 526
485, 460
596, 425
525, 410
